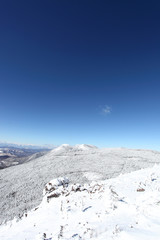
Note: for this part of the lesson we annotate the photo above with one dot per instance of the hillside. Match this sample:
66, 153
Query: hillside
123, 208
21, 186
10, 156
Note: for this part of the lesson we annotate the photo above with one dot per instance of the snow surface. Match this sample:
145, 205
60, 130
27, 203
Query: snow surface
79, 147
21, 186
123, 208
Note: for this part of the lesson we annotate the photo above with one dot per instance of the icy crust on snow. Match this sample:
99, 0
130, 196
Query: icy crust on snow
123, 208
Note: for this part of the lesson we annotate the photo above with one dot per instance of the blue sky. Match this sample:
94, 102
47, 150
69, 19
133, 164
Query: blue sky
80, 72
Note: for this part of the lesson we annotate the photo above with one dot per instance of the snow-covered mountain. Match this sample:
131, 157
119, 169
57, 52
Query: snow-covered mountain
21, 186
123, 208
68, 148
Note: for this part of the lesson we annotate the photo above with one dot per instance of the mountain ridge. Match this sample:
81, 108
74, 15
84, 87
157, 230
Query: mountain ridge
119, 208
28, 179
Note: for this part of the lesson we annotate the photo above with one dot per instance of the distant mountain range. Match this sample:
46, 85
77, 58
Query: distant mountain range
26, 146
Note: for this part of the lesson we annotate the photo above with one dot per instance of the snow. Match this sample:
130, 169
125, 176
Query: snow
92, 176
79, 147
62, 148
123, 208
21, 186
85, 147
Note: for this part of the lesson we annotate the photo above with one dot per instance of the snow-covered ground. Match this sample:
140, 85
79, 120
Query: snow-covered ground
21, 186
123, 208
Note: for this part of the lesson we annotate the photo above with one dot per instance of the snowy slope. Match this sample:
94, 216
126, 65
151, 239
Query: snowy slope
123, 208
21, 186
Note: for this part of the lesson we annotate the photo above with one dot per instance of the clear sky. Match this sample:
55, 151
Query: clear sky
80, 72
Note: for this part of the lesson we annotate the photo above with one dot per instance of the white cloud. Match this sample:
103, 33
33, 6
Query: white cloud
106, 110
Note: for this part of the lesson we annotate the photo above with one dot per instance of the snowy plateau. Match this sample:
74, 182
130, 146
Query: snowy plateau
82, 192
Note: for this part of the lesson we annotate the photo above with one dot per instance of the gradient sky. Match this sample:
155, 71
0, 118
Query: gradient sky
80, 72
